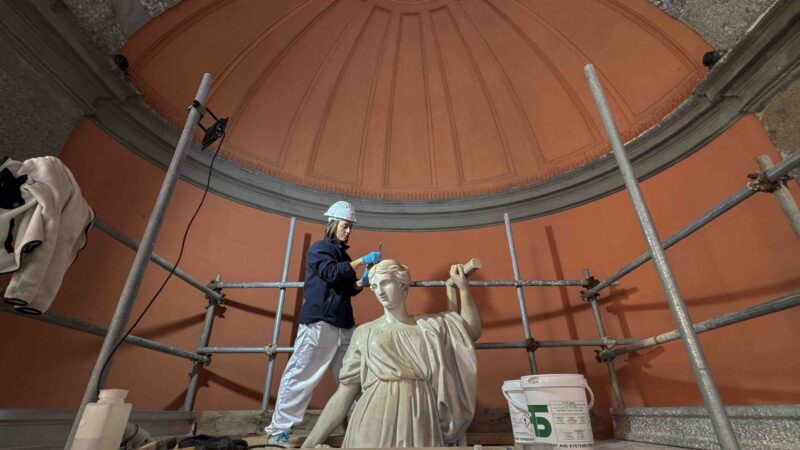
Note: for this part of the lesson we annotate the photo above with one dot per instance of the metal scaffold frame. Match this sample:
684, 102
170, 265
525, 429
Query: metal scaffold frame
769, 179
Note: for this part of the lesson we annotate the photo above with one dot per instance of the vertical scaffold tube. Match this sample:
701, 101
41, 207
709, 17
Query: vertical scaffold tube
117, 328
188, 402
702, 373
784, 197
520, 296
278, 316
601, 329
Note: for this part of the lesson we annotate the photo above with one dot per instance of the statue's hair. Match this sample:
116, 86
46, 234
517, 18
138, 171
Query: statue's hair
391, 266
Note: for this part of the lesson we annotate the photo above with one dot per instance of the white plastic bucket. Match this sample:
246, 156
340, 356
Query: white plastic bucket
520, 421
559, 412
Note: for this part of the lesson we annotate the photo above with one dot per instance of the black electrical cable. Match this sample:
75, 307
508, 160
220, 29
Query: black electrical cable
175, 266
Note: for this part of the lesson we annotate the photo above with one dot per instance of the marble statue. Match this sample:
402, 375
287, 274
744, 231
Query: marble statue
417, 375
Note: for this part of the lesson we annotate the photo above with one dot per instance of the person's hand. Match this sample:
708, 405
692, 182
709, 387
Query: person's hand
457, 274
371, 258
365, 279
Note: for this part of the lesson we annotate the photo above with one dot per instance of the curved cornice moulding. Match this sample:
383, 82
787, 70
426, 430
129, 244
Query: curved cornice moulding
762, 64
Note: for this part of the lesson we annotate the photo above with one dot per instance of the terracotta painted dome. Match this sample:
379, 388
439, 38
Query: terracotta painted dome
416, 99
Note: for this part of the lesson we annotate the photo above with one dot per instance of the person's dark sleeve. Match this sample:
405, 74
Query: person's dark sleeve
322, 261
355, 290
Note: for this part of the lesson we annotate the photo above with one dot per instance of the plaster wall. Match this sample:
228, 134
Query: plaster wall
746, 257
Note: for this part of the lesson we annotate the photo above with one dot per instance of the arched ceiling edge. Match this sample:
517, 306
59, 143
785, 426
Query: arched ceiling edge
762, 64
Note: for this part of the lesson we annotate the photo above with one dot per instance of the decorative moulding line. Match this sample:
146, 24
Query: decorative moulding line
762, 64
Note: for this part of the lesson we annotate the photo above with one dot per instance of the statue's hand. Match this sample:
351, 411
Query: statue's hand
457, 274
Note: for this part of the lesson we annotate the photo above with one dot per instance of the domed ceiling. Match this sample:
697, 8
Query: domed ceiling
416, 99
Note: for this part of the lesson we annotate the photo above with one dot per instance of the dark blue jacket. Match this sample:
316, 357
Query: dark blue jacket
330, 282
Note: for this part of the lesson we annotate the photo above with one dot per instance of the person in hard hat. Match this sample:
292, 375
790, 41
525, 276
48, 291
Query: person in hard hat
326, 320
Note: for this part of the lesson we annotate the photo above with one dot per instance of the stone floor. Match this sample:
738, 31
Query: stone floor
604, 444
249, 425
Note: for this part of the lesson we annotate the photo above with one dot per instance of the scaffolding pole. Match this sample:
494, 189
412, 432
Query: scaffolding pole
601, 330
188, 402
134, 281
783, 197
702, 373
773, 306
270, 350
97, 330
779, 171
520, 296
278, 316
132, 244
424, 283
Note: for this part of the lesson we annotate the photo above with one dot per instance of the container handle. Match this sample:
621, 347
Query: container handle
515, 404
591, 394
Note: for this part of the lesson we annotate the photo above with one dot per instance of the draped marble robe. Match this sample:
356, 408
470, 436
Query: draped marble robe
418, 383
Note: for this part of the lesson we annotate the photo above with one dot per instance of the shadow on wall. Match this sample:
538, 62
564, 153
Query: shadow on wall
171, 327
572, 328
663, 391
619, 309
209, 377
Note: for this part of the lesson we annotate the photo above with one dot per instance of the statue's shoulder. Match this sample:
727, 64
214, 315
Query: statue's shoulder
433, 316
365, 327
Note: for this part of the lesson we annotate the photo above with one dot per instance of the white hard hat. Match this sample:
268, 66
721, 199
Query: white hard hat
341, 210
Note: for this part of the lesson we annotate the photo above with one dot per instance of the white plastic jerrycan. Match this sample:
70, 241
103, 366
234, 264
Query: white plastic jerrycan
103, 423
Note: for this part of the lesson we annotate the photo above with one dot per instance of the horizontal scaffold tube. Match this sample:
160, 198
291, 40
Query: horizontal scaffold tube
777, 172
131, 243
97, 330
500, 283
478, 346
769, 307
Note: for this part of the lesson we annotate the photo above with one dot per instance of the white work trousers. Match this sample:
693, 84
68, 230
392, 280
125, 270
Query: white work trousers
319, 346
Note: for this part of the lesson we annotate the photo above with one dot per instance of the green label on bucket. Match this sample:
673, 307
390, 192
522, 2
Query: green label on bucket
541, 426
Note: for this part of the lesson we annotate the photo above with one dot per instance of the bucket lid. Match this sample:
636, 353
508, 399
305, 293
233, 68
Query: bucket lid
512, 385
554, 379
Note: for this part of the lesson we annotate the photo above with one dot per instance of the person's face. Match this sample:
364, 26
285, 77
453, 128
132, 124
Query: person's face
343, 230
389, 291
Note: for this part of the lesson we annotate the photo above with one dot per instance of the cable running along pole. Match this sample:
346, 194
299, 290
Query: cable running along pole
136, 274
702, 373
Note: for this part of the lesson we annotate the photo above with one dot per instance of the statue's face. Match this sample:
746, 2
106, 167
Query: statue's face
390, 291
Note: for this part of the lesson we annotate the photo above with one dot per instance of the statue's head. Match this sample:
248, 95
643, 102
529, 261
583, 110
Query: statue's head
389, 281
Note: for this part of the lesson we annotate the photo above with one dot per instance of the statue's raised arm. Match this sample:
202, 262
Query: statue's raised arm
468, 312
417, 374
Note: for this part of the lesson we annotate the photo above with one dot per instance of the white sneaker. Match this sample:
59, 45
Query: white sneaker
280, 439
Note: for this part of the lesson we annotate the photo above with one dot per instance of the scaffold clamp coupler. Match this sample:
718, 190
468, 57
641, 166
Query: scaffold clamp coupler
531, 344
202, 363
220, 301
590, 283
760, 183
198, 106
603, 355
608, 342
271, 350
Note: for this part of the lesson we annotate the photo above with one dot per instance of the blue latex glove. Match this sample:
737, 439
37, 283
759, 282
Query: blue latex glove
365, 279
371, 258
